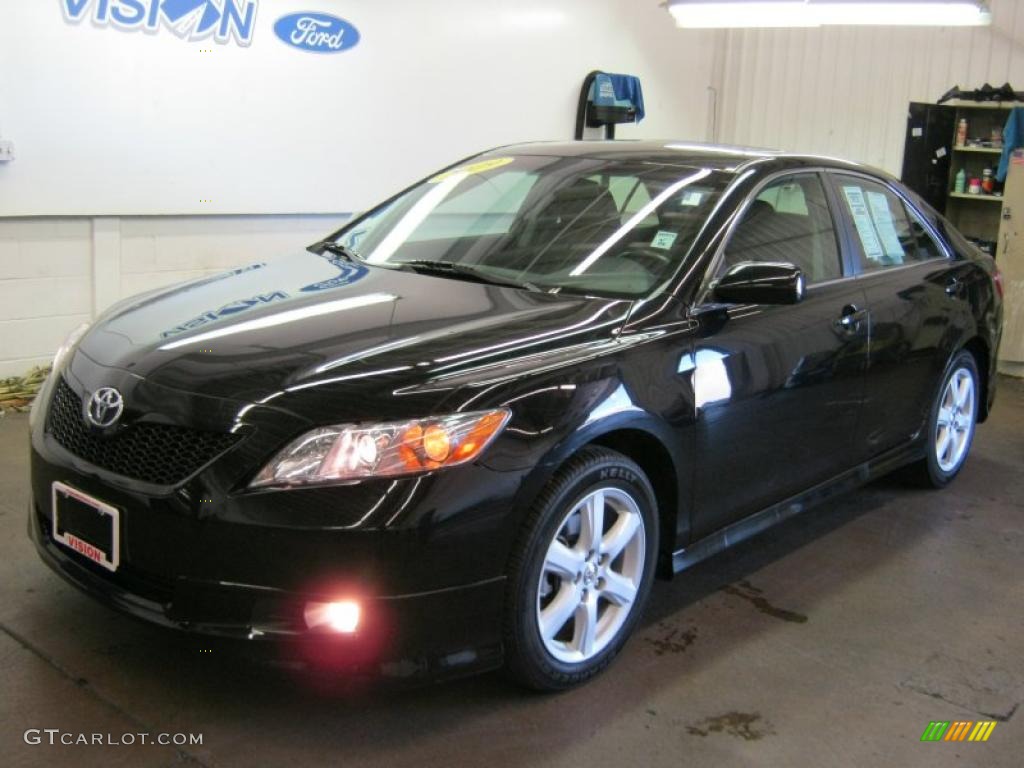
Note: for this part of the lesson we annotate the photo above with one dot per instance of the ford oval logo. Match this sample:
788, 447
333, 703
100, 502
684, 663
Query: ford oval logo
316, 32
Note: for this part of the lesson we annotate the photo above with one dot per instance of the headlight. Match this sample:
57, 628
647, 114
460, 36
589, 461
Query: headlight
347, 452
69, 343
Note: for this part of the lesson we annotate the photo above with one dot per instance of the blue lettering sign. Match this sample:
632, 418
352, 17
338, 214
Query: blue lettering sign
223, 21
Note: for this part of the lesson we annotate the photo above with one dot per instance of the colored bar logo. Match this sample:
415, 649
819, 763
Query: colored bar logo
958, 730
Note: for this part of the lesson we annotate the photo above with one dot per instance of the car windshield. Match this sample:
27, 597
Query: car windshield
575, 224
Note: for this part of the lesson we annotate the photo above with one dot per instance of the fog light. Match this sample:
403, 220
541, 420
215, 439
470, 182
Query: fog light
341, 616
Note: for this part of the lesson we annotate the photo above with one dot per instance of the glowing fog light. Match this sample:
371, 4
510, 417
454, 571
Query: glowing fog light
342, 616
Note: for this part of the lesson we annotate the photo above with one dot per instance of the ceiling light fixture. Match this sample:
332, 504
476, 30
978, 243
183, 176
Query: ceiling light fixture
710, 14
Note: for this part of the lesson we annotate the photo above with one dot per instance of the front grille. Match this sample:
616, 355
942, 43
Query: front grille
154, 453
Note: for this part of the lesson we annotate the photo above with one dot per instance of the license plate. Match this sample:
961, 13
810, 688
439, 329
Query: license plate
86, 525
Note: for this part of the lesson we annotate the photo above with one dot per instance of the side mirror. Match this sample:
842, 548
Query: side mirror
761, 283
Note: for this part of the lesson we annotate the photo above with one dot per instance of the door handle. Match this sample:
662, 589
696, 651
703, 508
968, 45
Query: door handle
851, 318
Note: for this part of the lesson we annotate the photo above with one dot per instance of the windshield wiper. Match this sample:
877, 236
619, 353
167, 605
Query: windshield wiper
336, 248
451, 268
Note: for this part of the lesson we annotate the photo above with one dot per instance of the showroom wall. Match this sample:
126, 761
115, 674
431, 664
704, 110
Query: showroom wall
844, 91
144, 157
56, 272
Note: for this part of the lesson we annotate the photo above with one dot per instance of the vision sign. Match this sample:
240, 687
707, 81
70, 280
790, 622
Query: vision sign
223, 21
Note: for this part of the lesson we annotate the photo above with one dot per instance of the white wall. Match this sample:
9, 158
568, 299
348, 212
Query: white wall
111, 124
56, 273
119, 122
844, 91
119, 135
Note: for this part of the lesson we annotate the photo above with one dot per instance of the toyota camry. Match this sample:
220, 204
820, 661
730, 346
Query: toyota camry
468, 429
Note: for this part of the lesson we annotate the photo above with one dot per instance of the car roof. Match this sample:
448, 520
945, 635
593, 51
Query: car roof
690, 154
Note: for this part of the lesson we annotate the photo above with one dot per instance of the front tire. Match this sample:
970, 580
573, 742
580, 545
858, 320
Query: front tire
951, 424
581, 571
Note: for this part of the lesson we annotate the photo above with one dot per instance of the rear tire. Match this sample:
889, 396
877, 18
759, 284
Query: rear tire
951, 424
580, 572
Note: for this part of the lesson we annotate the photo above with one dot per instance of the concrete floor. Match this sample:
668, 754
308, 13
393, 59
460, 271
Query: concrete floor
832, 640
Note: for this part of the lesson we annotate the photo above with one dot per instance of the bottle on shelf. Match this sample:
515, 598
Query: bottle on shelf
961, 132
988, 182
960, 185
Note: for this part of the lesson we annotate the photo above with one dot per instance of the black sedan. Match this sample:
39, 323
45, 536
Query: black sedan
469, 428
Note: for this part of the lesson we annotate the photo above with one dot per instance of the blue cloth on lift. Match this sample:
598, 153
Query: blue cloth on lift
1013, 137
618, 91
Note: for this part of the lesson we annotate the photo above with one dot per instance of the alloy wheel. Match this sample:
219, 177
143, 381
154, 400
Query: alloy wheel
591, 575
955, 420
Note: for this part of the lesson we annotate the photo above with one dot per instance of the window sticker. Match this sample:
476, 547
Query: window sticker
885, 226
862, 220
691, 198
663, 240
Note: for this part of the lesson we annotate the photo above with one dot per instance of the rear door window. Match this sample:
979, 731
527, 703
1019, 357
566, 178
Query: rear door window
883, 230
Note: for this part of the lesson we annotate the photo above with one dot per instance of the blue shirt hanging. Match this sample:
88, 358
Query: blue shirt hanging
1013, 137
618, 91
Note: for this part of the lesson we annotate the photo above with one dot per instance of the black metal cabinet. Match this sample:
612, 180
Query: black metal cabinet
927, 151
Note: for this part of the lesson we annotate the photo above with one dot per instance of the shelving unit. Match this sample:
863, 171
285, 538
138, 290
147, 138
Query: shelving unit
989, 150
962, 208
931, 161
979, 198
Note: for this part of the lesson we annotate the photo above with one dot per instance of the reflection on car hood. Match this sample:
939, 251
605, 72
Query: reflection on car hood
311, 321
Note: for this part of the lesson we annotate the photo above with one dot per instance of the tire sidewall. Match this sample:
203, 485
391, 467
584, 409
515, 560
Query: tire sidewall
939, 476
608, 472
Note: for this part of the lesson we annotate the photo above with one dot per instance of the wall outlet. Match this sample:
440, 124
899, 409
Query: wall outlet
6, 151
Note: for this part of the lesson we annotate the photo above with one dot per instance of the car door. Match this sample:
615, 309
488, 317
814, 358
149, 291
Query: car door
778, 388
915, 299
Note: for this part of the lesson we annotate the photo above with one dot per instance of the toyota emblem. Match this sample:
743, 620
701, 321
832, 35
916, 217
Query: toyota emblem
105, 407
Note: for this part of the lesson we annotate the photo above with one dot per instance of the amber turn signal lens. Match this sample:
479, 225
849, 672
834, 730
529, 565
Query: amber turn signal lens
407, 447
479, 435
437, 443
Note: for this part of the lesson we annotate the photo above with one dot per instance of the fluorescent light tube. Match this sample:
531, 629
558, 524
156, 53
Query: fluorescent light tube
696, 14
743, 13
904, 14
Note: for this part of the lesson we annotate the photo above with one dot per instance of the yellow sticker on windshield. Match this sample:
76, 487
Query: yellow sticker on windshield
481, 167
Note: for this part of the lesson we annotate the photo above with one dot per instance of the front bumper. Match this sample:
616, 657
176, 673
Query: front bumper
441, 633
424, 556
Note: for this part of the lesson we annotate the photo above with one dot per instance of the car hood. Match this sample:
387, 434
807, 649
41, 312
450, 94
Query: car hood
320, 322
